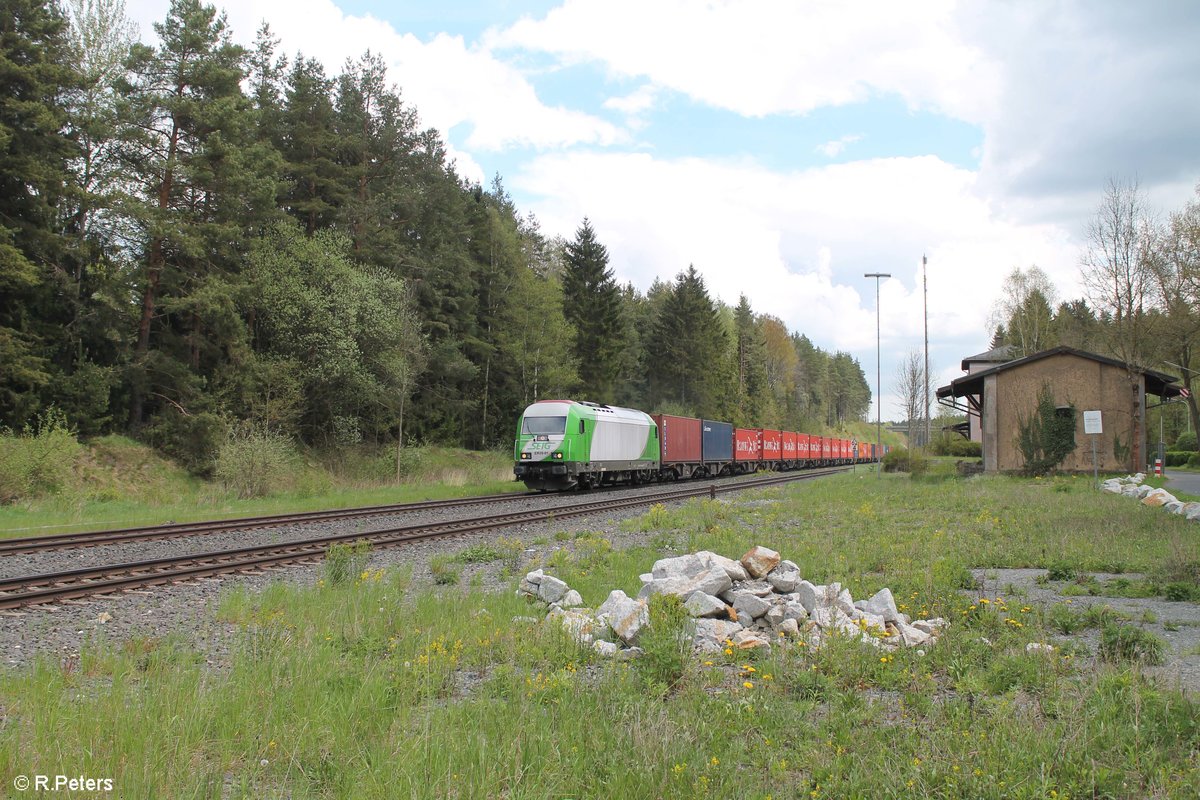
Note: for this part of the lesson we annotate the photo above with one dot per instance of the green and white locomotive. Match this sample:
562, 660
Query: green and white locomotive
562, 444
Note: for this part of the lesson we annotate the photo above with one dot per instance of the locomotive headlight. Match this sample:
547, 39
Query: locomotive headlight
524, 456
558, 456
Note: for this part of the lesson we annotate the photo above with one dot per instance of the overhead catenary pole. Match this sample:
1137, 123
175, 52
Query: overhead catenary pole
925, 287
878, 379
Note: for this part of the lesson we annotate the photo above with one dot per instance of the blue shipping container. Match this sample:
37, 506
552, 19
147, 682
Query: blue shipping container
716, 440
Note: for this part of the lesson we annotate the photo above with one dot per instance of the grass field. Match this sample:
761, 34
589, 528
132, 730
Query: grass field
119, 483
363, 687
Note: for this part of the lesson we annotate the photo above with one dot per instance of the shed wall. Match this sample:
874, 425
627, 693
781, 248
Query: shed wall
1087, 385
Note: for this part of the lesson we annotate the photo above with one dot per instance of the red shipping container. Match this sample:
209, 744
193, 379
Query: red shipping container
772, 445
747, 444
790, 446
802, 446
679, 437
846, 449
826, 448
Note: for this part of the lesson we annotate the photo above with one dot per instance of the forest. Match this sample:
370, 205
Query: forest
198, 237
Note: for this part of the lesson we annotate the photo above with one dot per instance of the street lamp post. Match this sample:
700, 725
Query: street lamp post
878, 379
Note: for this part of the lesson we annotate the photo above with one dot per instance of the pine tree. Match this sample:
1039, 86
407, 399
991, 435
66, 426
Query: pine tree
202, 184
34, 155
266, 73
592, 305
376, 135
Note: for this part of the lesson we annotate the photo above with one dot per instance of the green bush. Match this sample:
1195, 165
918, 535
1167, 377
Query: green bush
1129, 643
253, 460
191, 439
1186, 441
899, 459
1176, 458
954, 445
39, 460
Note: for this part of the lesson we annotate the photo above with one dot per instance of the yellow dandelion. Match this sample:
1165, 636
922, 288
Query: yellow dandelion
748, 684
714, 761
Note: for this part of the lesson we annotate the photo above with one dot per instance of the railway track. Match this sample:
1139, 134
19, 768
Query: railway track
55, 587
65, 541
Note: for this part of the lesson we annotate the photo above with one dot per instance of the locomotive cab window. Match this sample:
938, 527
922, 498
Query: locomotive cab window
581, 426
544, 425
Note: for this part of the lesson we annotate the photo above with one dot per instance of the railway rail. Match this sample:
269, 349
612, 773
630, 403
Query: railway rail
54, 587
64, 541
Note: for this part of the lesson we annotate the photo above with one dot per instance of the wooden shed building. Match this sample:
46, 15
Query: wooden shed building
1001, 396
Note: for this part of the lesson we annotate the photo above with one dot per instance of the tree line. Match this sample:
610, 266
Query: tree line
196, 234
1141, 305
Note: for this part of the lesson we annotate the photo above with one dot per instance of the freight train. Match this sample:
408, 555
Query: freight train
568, 444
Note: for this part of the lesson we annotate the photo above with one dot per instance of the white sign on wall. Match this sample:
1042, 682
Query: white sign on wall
1091, 422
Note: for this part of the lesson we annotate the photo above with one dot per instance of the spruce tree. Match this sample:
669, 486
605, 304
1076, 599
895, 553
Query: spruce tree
314, 186
592, 305
688, 349
751, 359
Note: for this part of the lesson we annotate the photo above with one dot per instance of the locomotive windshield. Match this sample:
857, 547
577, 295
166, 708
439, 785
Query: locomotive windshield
544, 425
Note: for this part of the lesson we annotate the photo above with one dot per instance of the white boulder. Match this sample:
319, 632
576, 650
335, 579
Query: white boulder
625, 615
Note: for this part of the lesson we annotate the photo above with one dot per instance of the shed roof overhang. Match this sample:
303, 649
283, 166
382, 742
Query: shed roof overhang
1157, 383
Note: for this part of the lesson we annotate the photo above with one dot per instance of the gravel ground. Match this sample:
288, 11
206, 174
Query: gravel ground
189, 609
1178, 623
56, 560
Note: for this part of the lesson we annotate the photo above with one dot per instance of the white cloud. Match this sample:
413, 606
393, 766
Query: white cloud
1066, 93
449, 82
834, 148
759, 57
639, 101
798, 243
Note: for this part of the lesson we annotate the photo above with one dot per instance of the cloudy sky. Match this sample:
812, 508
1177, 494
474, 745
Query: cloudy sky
787, 147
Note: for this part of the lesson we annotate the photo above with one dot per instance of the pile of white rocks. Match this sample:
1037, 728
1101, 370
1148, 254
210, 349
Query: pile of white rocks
1132, 486
750, 603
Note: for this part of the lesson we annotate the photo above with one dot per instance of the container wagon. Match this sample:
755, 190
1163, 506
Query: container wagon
788, 450
716, 447
680, 439
747, 449
772, 448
